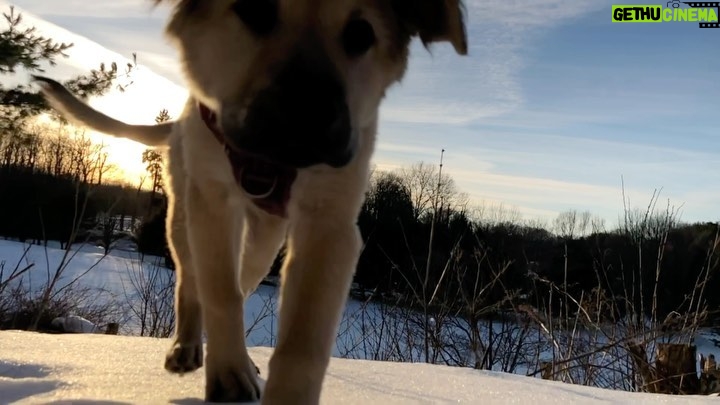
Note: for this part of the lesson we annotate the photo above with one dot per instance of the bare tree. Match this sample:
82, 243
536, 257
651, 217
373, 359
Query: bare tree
496, 214
150, 297
571, 223
422, 180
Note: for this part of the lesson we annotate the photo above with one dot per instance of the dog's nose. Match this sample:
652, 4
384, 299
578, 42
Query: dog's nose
319, 123
300, 120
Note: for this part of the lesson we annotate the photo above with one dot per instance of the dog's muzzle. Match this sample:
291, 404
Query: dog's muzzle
301, 119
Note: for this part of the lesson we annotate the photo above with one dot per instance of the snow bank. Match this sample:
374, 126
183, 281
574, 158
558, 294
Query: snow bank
75, 324
87, 368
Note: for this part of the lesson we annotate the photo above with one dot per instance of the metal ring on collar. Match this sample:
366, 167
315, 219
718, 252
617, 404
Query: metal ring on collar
257, 196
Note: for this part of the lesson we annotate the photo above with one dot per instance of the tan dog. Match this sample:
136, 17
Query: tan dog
273, 146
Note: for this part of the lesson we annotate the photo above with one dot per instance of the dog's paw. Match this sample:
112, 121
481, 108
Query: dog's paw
225, 383
184, 358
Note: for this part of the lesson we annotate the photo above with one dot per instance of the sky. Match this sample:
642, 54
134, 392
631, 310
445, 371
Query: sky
554, 108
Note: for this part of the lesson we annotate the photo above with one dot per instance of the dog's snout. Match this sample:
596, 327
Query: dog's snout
315, 99
301, 119
338, 137
313, 102
323, 120
328, 117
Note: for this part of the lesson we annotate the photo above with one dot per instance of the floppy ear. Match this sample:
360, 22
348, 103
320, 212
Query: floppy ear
434, 21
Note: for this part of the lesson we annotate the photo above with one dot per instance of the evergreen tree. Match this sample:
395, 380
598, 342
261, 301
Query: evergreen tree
24, 49
153, 159
151, 235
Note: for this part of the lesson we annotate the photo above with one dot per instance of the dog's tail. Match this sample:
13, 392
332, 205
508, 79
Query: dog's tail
75, 110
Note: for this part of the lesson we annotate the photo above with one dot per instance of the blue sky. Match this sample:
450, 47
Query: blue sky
552, 108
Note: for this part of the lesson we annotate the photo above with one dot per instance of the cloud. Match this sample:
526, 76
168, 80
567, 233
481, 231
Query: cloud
531, 14
82, 8
148, 94
538, 169
124, 26
498, 32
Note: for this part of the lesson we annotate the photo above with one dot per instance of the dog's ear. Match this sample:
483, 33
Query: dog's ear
434, 21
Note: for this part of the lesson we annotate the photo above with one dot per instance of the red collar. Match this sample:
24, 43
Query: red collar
268, 185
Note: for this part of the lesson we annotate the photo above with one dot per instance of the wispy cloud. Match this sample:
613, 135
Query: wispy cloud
124, 26
149, 92
490, 86
89, 9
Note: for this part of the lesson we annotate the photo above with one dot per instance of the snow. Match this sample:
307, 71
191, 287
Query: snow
112, 279
88, 368
75, 324
107, 272
67, 368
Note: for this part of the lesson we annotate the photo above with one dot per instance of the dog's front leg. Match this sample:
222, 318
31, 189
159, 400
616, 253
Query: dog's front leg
322, 255
214, 233
185, 354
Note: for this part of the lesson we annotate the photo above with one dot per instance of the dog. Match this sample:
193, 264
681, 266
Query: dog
273, 148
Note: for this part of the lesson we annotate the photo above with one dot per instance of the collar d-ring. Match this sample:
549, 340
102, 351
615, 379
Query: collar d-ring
255, 194
268, 185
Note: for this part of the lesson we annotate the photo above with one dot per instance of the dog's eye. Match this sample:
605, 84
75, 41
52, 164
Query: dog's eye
358, 37
261, 16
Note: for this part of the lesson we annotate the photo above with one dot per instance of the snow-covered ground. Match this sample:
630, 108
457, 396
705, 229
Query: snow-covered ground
70, 369
85, 263
114, 280
367, 331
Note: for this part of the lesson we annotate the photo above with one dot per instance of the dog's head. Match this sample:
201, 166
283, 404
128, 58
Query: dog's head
297, 81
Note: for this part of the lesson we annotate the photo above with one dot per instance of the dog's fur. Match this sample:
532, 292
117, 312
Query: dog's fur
223, 245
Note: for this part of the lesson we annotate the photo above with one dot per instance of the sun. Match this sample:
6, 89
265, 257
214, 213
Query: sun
126, 156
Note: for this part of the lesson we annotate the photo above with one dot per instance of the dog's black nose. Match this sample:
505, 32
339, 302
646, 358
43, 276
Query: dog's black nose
301, 119
334, 130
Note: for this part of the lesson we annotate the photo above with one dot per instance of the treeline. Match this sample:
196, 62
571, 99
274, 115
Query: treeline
490, 261
58, 185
